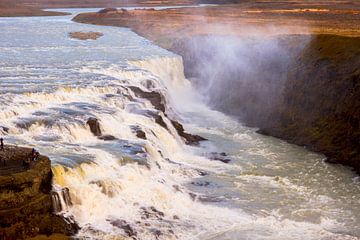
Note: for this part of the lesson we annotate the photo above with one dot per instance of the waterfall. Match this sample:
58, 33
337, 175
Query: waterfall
61, 199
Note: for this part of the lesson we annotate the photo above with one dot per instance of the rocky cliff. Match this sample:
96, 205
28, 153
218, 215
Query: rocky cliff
320, 107
25, 198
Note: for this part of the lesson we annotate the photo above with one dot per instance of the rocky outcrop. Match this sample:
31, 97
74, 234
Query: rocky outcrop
94, 126
190, 139
25, 199
156, 98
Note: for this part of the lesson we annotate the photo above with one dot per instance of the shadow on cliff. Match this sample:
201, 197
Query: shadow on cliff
304, 89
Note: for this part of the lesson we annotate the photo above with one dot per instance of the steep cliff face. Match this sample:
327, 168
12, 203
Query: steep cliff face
320, 107
25, 200
307, 91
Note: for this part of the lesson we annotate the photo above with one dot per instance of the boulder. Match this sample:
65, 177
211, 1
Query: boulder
156, 98
141, 134
107, 137
94, 126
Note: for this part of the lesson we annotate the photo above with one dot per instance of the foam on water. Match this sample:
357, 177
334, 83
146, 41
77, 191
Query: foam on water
51, 85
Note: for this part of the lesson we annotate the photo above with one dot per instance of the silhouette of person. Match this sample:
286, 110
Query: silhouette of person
2, 144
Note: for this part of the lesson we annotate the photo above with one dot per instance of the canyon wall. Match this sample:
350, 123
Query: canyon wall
306, 90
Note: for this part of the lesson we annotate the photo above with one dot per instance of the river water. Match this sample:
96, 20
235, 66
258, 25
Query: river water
159, 188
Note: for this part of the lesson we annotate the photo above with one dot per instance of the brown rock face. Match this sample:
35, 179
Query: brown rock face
320, 107
141, 134
156, 98
190, 139
25, 201
94, 126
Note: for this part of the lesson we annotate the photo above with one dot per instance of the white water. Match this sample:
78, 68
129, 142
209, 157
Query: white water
50, 86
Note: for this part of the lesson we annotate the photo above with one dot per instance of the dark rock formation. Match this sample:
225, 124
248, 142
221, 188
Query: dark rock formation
25, 200
107, 137
94, 126
159, 120
190, 139
222, 157
321, 102
141, 134
156, 99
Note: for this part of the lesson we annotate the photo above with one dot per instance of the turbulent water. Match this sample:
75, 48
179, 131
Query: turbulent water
158, 188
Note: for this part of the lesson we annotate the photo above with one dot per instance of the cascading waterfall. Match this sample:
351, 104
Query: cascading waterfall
122, 184
61, 199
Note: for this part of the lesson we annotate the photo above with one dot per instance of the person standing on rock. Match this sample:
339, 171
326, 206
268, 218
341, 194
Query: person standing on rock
1, 144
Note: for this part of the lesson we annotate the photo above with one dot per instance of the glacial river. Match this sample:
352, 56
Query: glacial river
159, 187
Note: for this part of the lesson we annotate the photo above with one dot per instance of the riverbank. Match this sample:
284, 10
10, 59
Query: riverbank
25, 198
13, 9
25, 8
319, 40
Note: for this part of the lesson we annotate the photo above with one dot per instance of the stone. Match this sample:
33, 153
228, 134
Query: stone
107, 137
141, 134
94, 126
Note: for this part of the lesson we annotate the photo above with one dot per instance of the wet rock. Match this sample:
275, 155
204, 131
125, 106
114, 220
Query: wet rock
122, 224
141, 134
156, 98
156, 232
94, 126
222, 157
151, 212
202, 173
107, 137
192, 196
4, 129
159, 120
201, 184
190, 139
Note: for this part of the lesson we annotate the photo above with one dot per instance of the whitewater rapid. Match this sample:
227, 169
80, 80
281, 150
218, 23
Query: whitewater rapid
158, 187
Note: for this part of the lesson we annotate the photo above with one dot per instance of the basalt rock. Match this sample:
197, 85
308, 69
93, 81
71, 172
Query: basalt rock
107, 137
222, 157
25, 200
141, 134
190, 139
159, 120
156, 98
94, 126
